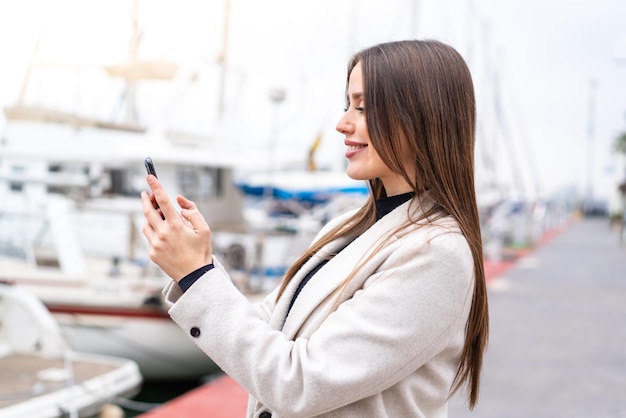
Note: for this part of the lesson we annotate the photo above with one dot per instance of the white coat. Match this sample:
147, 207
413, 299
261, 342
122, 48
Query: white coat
387, 345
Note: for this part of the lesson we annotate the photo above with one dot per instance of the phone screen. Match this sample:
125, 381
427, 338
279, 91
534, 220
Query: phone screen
150, 166
150, 169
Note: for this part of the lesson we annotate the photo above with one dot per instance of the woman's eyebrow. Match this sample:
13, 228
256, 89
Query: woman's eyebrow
354, 96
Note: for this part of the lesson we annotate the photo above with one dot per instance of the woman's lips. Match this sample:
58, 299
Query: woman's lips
354, 148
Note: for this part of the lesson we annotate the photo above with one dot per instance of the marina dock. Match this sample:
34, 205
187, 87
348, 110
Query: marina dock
558, 335
558, 331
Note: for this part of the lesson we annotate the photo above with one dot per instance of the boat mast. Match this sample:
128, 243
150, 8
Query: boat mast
131, 86
222, 59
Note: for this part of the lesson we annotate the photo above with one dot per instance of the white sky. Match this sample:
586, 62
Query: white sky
552, 50
544, 52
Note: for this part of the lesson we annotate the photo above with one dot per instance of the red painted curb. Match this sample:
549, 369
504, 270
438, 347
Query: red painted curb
220, 398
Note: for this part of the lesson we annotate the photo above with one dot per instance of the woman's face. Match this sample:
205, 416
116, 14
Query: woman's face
364, 163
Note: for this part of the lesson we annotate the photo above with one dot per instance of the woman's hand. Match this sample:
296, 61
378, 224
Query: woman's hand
179, 243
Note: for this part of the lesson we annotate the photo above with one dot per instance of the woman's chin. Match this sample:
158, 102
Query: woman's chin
356, 176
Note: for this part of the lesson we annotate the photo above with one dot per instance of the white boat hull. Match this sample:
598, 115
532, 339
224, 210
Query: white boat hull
151, 339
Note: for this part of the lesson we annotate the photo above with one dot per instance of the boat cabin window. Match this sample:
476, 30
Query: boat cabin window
120, 182
68, 178
200, 183
16, 186
17, 171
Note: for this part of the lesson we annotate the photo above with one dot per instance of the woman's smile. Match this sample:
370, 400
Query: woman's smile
353, 148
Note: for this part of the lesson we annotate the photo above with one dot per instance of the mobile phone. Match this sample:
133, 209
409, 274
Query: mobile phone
150, 169
150, 166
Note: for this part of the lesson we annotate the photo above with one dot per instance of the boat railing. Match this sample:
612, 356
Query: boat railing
23, 314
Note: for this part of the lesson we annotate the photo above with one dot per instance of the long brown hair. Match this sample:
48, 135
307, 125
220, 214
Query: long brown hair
420, 101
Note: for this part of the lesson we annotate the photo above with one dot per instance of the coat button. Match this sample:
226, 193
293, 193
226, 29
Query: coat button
195, 332
265, 414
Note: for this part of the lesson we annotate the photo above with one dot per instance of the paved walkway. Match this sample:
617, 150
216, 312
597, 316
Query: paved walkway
558, 331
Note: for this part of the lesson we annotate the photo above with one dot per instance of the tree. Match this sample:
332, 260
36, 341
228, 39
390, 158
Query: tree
620, 144
620, 147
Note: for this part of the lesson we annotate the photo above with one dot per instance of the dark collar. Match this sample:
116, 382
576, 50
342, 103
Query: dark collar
387, 204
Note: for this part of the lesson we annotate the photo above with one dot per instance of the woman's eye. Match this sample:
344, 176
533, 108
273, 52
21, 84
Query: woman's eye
357, 108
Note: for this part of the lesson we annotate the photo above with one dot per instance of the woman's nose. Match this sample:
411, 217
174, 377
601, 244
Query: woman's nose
344, 125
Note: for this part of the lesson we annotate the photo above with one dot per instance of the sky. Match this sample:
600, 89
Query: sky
551, 90
562, 59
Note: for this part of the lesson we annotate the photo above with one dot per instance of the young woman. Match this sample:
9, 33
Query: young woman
385, 315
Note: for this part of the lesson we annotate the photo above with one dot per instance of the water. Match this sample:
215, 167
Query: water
155, 393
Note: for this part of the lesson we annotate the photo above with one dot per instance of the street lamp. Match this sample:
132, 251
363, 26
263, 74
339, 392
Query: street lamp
277, 96
590, 134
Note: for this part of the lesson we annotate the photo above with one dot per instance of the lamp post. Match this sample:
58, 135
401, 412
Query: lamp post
620, 60
277, 96
590, 134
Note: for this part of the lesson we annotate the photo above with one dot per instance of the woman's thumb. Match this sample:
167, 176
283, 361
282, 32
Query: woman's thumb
185, 203
190, 213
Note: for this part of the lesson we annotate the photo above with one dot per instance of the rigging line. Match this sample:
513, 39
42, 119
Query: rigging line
70, 381
486, 74
525, 143
506, 134
137, 406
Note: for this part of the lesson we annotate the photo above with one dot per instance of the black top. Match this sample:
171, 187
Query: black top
387, 204
186, 282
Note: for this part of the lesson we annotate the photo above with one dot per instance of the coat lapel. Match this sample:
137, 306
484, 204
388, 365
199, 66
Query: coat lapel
330, 277
277, 321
